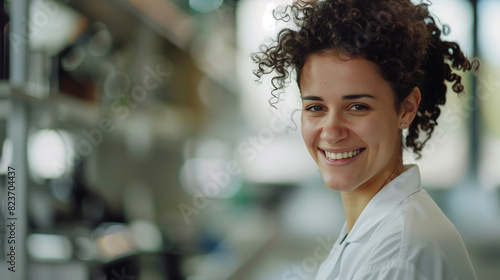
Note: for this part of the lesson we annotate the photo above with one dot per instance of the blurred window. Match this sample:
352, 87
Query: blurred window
448, 151
488, 91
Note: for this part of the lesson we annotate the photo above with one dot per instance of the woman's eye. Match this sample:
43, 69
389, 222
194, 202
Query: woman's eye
358, 107
314, 108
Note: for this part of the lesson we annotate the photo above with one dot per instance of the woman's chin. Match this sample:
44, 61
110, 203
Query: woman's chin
339, 185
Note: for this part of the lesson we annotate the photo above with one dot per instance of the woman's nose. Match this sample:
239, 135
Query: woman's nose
334, 129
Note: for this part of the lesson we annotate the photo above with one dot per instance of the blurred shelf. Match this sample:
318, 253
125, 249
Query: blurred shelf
166, 124
164, 18
65, 107
159, 15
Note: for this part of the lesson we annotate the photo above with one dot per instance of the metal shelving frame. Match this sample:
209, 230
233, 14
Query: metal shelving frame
17, 126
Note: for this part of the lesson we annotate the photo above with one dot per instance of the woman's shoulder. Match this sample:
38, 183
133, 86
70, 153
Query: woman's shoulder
419, 234
416, 229
424, 219
420, 221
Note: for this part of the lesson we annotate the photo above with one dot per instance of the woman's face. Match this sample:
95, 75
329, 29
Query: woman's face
349, 121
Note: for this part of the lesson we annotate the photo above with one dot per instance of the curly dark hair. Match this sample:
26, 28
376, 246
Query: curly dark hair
402, 38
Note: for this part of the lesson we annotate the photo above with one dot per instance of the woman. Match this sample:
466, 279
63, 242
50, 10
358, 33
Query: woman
367, 70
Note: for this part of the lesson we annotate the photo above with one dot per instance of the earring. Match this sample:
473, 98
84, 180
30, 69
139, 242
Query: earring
402, 124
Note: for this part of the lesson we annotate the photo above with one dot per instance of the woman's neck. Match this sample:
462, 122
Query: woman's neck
356, 200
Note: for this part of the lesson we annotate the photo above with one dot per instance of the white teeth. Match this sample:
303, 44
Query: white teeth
343, 155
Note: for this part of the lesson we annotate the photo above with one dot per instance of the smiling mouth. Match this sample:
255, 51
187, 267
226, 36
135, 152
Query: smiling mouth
344, 155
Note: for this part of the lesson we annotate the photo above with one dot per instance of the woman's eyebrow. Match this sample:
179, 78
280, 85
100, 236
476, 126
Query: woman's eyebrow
357, 96
345, 97
312, 97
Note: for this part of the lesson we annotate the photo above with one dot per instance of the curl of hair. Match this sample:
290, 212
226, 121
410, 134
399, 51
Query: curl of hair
402, 38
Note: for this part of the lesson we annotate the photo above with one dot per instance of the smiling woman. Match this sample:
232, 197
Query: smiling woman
348, 115
367, 70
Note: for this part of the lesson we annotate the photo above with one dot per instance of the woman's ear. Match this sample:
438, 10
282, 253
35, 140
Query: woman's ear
409, 107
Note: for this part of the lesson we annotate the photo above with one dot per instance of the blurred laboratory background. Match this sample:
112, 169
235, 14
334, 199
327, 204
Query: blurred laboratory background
136, 144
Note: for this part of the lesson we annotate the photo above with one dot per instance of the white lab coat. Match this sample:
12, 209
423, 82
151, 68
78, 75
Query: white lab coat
400, 235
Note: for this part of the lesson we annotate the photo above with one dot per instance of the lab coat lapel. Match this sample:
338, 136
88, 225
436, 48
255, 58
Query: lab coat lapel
390, 196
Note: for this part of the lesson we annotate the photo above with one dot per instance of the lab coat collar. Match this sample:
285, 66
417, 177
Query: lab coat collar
390, 196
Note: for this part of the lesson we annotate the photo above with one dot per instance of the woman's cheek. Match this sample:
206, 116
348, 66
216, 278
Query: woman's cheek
369, 130
310, 133
306, 131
